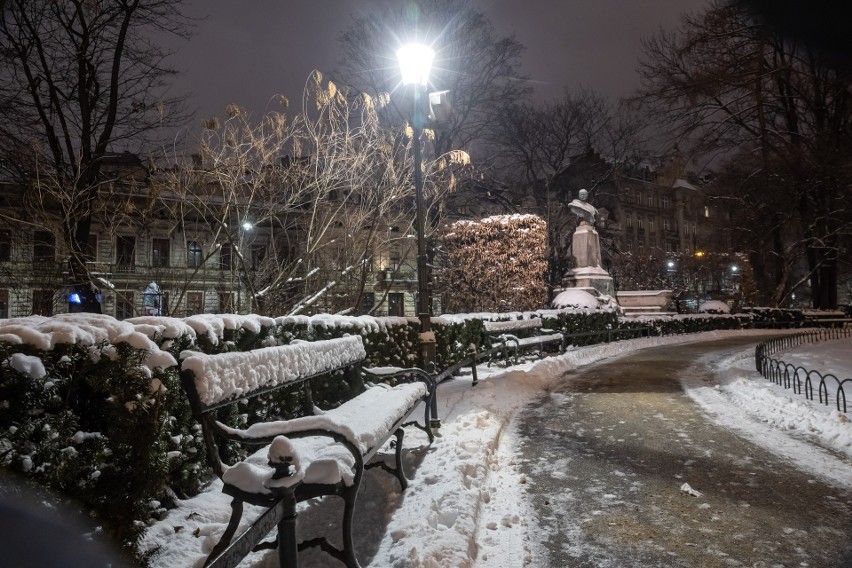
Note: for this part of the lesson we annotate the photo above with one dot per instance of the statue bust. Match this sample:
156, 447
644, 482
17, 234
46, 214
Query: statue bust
582, 208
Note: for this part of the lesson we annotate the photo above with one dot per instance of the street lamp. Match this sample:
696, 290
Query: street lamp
415, 62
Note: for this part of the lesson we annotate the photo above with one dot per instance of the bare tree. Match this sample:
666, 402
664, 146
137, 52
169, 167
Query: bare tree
535, 144
302, 203
735, 86
78, 80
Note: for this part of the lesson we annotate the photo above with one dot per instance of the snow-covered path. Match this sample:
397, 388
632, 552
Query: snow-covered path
622, 468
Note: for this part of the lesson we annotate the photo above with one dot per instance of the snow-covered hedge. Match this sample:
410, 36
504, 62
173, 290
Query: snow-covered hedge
773, 317
91, 407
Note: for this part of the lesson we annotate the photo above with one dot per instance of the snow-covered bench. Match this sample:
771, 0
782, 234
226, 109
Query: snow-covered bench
505, 334
304, 457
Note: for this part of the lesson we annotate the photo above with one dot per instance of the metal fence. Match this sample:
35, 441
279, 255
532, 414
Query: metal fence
802, 380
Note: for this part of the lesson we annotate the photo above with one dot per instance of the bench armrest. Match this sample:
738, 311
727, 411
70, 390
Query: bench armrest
411, 374
385, 373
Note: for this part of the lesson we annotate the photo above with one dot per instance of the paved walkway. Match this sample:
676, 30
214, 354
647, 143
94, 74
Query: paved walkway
606, 456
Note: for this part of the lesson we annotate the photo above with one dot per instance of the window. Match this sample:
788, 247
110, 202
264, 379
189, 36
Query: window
194, 303
396, 304
666, 202
651, 200
90, 249
258, 253
367, 302
43, 302
639, 223
630, 221
44, 246
226, 303
651, 225
124, 305
125, 253
226, 256
4, 304
667, 225
5, 246
160, 251
193, 254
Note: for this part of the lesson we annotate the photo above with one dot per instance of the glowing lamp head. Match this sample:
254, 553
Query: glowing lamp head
415, 62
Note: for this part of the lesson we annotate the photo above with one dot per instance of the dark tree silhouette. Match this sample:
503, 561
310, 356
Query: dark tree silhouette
78, 81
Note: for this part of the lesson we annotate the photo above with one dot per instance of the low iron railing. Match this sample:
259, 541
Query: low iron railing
800, 379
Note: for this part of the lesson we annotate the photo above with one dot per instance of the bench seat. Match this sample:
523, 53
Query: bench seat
322, 459
355, 419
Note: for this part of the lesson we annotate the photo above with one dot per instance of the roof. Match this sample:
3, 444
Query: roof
684, 184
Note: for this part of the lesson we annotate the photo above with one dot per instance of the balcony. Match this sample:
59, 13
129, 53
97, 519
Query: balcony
401, 275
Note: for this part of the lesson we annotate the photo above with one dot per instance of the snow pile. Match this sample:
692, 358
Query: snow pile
574, 298
213, 325
28, 365
227, 375
45, 334
714, 306
165, 327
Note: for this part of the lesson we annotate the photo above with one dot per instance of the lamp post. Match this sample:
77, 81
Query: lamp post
415, 62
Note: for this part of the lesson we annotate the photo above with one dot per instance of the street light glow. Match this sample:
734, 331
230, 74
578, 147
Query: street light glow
247, 226
734, 268
415, 62
671, 264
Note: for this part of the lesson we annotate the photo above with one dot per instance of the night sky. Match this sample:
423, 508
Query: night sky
246, 52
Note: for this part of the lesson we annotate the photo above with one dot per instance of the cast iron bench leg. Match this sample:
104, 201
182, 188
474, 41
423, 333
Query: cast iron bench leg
228, 535
288, 546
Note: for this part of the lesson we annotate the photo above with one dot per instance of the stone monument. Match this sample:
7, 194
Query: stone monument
586, 250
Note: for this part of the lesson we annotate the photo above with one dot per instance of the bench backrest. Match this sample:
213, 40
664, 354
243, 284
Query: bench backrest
500, 326
216, 380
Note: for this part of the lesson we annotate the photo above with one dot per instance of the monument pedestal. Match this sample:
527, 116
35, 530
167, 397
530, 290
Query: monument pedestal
590, 277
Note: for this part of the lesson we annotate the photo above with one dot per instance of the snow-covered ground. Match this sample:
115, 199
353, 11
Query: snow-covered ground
465, 506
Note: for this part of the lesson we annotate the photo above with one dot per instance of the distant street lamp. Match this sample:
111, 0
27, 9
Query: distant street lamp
415, 62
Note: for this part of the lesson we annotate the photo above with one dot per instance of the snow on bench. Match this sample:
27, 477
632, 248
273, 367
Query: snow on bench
511, 325
224, 376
